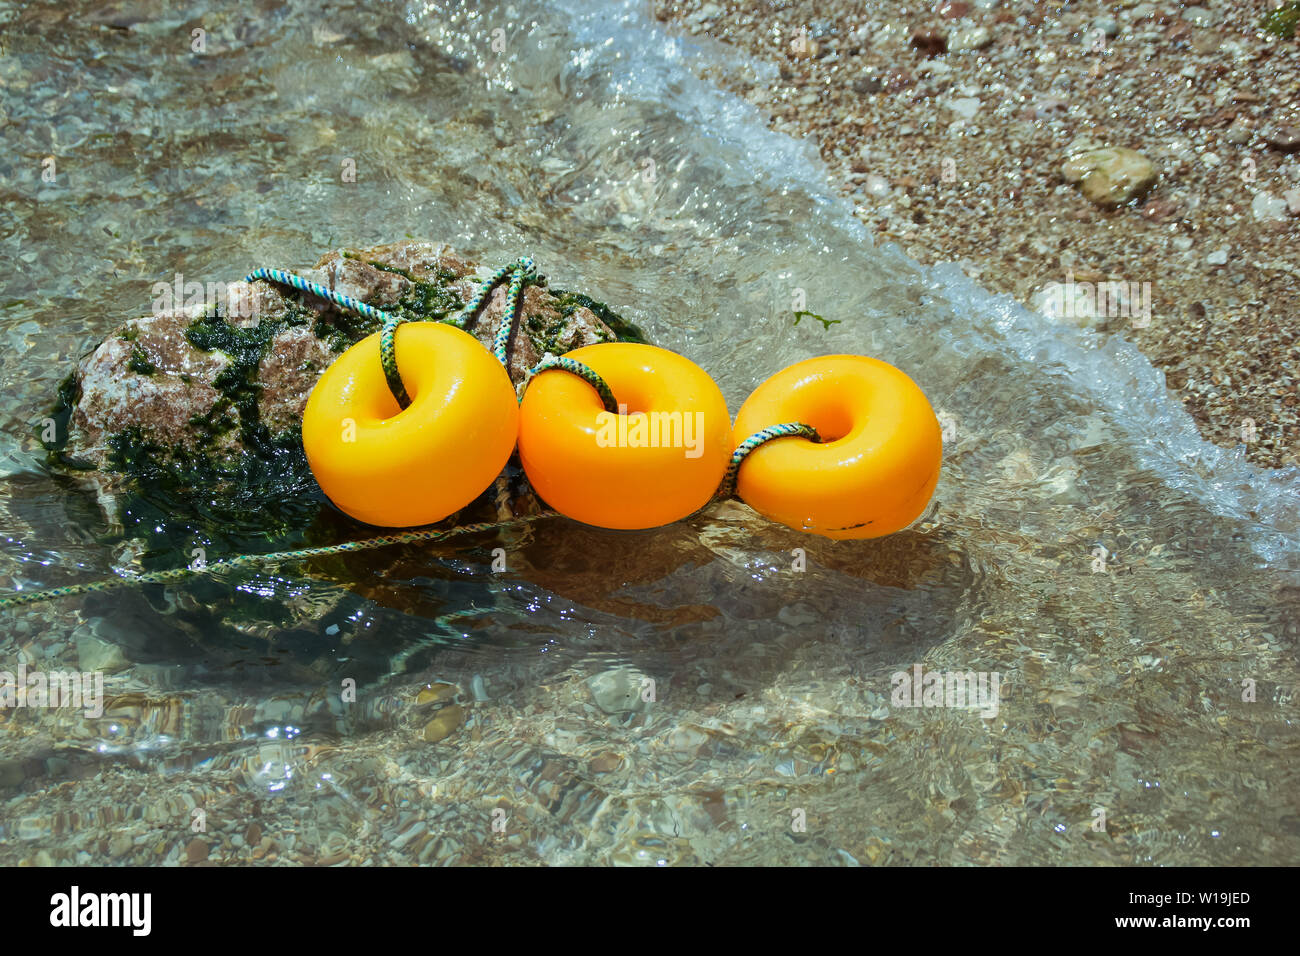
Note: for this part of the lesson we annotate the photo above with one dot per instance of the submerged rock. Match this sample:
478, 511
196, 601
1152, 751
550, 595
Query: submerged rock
211, 400
617, 691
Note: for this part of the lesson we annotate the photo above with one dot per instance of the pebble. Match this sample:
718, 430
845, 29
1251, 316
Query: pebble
604, 763
119, 845
877, 186
1267, 207
1292, 197
686, 740
196, 851
1238, 134
798, 615
1284, 138
965, 106
970, 38
1107, 25
618, 690
1199, 16
1110, 176
96, 655
444, 723
479, 688
429, 850
436, 692
1218, 257
418, 828
930, 42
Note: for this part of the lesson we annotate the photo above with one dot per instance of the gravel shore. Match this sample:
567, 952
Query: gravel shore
950, 126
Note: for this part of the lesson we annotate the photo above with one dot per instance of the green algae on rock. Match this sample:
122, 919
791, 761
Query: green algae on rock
204, 400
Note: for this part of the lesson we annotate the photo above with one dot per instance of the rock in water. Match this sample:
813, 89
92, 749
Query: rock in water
617, 691
444, 723
213, 401
1111, 175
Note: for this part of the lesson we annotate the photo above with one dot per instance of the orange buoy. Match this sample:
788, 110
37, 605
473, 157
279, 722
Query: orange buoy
655, 461
877, 463
398, 467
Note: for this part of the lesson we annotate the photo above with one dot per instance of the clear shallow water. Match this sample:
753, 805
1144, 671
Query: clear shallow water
1122, 685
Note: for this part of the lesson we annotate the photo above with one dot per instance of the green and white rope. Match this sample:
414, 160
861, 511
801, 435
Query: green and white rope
584, 372
272, 557
521, 273
726, 490
756, 440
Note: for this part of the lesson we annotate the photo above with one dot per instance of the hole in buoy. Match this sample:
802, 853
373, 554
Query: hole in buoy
832, 422
383, 406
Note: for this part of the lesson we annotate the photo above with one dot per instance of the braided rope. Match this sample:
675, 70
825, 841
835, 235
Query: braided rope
387, 334
759, 438
726, 490
272, 557
521, 272
584, 372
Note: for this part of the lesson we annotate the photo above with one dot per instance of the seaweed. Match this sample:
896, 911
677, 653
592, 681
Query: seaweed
420, 302
139, 362
341, 329
624, 330
1283, 22
245, 346
66, 398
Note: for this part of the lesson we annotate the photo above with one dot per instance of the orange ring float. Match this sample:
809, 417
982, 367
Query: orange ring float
658, 460
877, 463
398, 467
